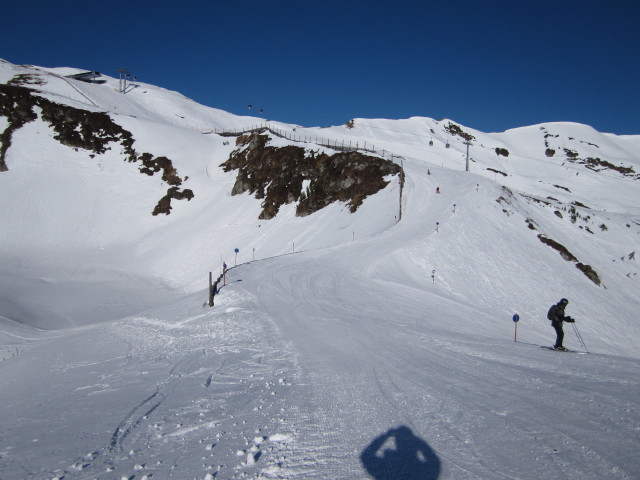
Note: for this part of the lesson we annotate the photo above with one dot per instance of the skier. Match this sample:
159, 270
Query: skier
437, 189
557, 317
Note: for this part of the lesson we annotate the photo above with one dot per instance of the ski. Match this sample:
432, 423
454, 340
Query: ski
564, 351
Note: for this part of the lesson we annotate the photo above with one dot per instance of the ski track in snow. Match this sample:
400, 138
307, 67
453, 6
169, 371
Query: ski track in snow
444, 392
357, 364
305, 369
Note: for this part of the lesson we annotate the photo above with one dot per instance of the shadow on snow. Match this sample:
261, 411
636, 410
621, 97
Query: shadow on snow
399, 454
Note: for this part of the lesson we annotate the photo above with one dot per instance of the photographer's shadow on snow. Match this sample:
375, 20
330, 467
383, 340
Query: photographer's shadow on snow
400, 454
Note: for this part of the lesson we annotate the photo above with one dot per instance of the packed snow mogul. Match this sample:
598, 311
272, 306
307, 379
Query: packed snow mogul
557, 317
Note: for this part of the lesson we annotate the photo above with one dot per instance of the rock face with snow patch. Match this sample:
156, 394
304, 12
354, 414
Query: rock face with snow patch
283, 175
82, 129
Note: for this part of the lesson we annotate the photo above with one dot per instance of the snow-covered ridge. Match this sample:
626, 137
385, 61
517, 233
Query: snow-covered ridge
164, 124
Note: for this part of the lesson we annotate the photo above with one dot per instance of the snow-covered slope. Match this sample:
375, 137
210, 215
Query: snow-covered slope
89, 215
382, 347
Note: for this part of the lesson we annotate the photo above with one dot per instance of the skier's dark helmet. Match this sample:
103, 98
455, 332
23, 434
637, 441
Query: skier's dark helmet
564, 301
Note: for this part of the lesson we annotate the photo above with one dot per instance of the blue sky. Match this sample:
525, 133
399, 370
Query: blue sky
490, 65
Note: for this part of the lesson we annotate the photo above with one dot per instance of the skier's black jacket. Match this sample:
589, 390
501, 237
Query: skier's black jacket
556, 314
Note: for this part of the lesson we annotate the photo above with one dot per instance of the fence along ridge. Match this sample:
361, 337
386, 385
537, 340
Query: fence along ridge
328, 143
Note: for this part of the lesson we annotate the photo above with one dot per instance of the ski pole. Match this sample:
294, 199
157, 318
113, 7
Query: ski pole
575, 329
579, 335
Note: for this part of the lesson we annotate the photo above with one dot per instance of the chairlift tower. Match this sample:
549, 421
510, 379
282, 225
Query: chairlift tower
467, 143
124, 74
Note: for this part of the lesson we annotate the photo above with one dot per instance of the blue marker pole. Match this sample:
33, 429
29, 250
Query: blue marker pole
516, 319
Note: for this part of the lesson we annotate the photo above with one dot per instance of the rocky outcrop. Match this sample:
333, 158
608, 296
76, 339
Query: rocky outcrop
17, 106
589, 272
82, 129
283, 175
455, 130
573, 156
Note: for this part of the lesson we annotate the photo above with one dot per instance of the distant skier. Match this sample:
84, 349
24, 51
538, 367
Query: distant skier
557, 317
437, 189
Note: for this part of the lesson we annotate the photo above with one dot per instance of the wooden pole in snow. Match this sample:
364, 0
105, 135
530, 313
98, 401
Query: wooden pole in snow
210, 290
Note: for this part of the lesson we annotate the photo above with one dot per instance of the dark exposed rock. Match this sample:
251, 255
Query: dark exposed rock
17, 106
564, 253
455, 130
153, 165
27, 79
589, 272
535, 199
597, 164
82, 129
277, 175
93, 131
164, 205
580, 204
497, 171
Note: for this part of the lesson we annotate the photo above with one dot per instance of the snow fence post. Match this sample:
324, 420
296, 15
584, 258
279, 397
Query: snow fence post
210, 290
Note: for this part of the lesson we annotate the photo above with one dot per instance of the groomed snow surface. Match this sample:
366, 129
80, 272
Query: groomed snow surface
342, 346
